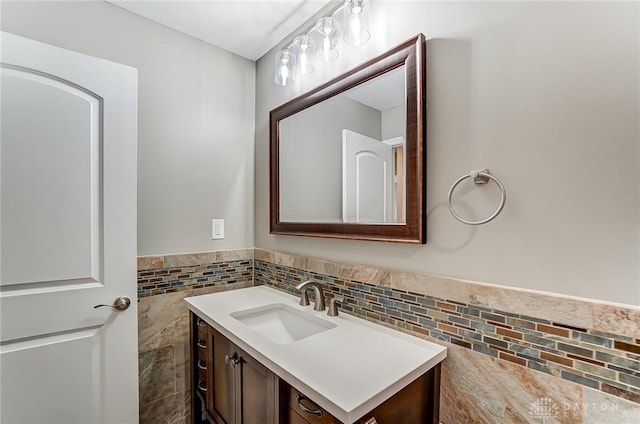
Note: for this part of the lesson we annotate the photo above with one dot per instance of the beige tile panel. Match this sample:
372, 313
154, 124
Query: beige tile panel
602, 408
321, 266
199, 258
234, 255
560, 309
190, 259
163, 320
617, 319
366, 274
182, 363
262, 255
431, 285
168, 410
185, 417
476, 388
287, 259
156, 374
150, 262
362, 273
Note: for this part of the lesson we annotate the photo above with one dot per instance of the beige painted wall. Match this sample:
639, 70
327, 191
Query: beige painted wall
195, 121
546, 95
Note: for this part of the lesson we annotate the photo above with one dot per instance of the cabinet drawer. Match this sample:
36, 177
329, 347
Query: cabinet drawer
294, 418
203, 347
203, 329
308, 410
202, 384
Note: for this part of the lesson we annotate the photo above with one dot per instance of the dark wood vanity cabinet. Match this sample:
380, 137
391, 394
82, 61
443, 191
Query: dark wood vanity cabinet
228, 385
231, 387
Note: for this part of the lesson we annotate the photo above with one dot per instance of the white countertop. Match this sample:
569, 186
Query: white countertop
347, 370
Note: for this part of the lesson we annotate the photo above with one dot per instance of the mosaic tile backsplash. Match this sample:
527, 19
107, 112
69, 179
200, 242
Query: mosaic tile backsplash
153, 282
599, 360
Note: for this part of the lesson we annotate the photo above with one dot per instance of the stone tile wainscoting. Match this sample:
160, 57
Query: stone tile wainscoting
163, 323
515, 356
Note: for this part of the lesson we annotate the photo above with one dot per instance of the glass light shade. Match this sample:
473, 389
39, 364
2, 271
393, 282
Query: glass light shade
303, 48
356, 21
329, 31
285, 68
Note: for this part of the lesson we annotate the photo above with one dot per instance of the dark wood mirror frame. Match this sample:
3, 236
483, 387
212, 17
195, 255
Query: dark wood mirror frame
411, 54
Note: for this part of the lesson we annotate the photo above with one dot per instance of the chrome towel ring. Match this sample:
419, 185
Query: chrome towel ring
479, 178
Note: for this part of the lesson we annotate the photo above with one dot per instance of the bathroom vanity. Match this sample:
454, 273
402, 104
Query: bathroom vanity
259, 357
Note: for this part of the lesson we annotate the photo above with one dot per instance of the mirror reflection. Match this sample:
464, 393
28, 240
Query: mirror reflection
343, 159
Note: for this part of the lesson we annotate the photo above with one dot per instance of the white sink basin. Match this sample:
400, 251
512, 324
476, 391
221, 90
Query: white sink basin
282, 324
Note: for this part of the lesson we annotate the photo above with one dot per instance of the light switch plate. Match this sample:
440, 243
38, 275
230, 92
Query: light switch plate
217, 229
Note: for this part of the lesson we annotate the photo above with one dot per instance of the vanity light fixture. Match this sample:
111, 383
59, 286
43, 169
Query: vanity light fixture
322, 41
329, 31
356, 19
285, 68
303, 48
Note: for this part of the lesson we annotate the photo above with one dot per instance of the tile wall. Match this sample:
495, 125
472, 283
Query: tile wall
163, 323
515, 356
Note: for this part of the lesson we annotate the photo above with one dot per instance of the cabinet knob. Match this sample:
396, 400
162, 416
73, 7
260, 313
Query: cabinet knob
232, 360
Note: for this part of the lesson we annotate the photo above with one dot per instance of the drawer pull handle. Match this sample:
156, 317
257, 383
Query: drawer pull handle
300, 398
201, 386
202, 365
202, 344
201, 322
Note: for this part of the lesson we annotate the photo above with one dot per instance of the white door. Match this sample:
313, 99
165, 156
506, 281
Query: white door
67, 236
367, 179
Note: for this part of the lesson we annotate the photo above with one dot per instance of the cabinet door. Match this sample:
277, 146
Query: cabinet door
221, 399
256, 392
416, 403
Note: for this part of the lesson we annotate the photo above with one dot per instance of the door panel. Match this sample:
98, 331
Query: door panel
28, 386
256, 387
50, 180
367, 179
67, 236
223, 401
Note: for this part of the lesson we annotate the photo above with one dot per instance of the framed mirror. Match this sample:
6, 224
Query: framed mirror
347, 159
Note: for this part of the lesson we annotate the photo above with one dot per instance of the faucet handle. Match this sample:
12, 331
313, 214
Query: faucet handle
333, 308
304, 298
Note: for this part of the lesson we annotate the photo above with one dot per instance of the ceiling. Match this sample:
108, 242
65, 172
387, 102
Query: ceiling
249, 28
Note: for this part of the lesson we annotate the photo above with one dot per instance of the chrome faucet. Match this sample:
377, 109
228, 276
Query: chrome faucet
304, 299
